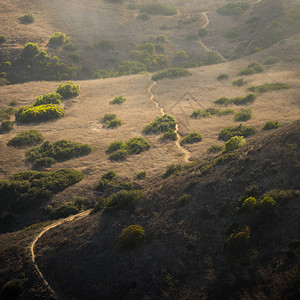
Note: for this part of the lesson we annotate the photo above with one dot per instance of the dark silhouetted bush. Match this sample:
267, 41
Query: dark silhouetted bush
268, 87
58, 39
27, 19
183, 200
222, 77
172, 169
30, 50
267, 203
271, 125
169, 136
140, 175
234, 143
250, 204
170, 73
68, 90
158, 9
233, 9
240, 130
12, 289
191, 138
52, 98
26, 138
161, 124
41, 113
132, 236
7, 126
118, 100
238, 242
243, 115
239, 82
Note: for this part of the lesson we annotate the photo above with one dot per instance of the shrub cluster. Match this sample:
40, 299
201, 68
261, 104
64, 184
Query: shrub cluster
267, 203
52, 98
7, 126
252, 68
118, 100
233, 9
215, 148
172, 169
271, 125
118, 150
140, 175
58, 39
27, 189
267, 87
68, 90
182, 200
49, 153
191, 138
104, 45
27, 19
222, 77
239, 82
158, 9
248, 99
170, 73
41, 113
110, 121
238, 242
234, 143
5, 113
170, 135
209, 112
30, 50
243, 115
123, 198
26, 138
161, 124
132, 236
240, 130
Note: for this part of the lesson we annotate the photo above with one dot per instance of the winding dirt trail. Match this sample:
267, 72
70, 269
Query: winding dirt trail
186, 153
47, 228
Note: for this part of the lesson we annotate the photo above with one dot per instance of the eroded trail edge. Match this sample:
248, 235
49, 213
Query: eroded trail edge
47, 228
185, 152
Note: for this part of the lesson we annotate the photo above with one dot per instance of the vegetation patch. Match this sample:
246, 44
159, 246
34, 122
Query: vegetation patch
132, 236
5, 113
239, 82
122, 199
68, 90
7, 126
268, 87
158, 9
272, 125
248, 99
252, 68
161, 124
243, 115
52, 98
215, 149
170, 73
58, 151
234, 143
209, 112
233, 9
172, 170
27, 189
27, 19
41, 113
140, 175
240, 130
221, 77
238, 242
191, 138
110, 121
169, 136
30, 50
58, 39
26, 138
118, 100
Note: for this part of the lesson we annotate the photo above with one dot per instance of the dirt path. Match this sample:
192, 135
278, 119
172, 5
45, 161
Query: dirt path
186, 153
53, 225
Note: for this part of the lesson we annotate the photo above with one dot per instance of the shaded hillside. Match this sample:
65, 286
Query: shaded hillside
185, 254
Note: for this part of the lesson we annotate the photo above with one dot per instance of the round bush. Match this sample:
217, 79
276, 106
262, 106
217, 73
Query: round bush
268, 203
7, 126
132, 236
271, 125
191, 138
169, 136
27, 19
57, 39
30, 50
137, 145
110, 175
234, 143
118, 100
115, 146
118, 155
141, 175
68, 90
26, 138
238, 242
249, 204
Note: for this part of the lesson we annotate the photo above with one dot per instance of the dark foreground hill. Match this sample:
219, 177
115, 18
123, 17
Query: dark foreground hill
207, 247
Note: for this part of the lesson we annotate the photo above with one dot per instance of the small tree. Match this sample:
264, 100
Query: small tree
30, 50
68, 90
132, 235
234, 143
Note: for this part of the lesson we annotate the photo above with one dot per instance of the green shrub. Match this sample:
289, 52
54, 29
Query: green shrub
158, 9
110, 121
282, 196
238, 242
191, 138
239, 82
182, 200
2, 39
241, 130
169, 136
7, 126
249, 204
60, 150
244, 115
161, 124
13, 103
52, 98
27, 189
27, 19
222, 77
248, 99
224, 158
58, 39
233, 9
172, 169
41, 113
252, 68
110, 175
118, 100
267, 87
161, 39
66, 209
267, 203
215, 148
43, 162
181, 56
119, 155
223, 101
271, 60
124, 198
30, 50
115, 146
137, 145
209, 112
26, 138
132, 236
140, 175
234, 143
144, 16
170, 73
68, 90
5, 113
106, 186
271, 125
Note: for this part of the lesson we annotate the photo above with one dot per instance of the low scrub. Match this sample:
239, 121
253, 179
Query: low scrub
30, 50
30, 137
248, 99
27, 19
267, 203
244, 115
110, 121
5, 113
215, 149
233, 9
268, 87
118, 100
191, 138
240, 130
41, 113
58, 151
170, 135
222, 77
172, 170
140, 175
170, 73
158, 9
250, 204
68, 90
27, 189
209, 112
238, 242
234, 143
123, 199
52, 98
7, 126
239, 82
252, 68
58, 39
272, 125
161, 124
132, 236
